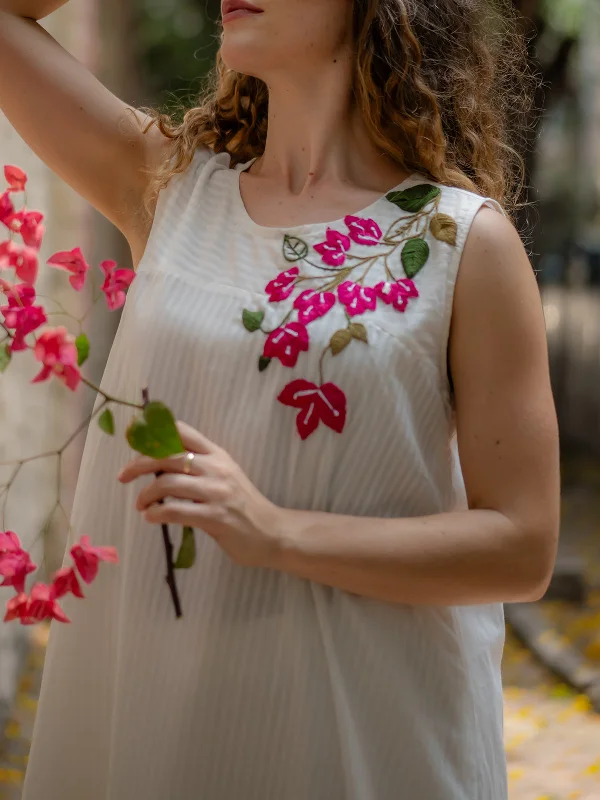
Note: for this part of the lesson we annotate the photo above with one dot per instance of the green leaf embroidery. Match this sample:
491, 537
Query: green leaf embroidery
263, 363
82, 343
294, 249
106, 421
186, 557
155, 434
414, 256
5, 357
340, 340
252, 320
444, 228
358, 331
415, 198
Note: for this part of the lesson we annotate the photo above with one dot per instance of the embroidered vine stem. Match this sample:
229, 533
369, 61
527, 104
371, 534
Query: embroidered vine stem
168, 544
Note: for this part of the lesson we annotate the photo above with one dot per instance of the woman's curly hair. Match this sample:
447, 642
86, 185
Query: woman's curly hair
443, 86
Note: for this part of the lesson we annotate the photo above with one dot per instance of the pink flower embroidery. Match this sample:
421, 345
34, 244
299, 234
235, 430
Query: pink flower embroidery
363, 231
326, 404
43, 605
311, 305
356, 298
282, 286
287, 343
56, 349
398, 293
65, 581
22, 258
15, 178
87, 558
71, 261
18, 608
14, 568
333, 249
116, 281
20, 314
6, 207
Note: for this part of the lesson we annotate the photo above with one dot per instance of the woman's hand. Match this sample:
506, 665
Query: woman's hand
215, 497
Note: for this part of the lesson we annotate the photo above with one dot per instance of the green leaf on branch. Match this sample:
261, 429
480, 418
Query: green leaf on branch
155, 433
186, 557
294, 249
106, 421
263, 363
415, 198
252, 320
414, 256
82, 343
5, 357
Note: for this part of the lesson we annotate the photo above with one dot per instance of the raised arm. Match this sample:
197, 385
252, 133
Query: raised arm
85, 134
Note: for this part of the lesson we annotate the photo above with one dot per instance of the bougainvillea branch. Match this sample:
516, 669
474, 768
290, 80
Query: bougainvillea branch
60, 355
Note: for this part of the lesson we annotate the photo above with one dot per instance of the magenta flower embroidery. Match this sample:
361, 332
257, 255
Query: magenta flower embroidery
326, 404
356, 298
287, 343
396, 294
311, 305
363, 231
333, 249
281, 287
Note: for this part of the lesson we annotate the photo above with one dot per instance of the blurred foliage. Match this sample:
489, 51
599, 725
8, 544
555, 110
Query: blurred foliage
176, 44
564, 16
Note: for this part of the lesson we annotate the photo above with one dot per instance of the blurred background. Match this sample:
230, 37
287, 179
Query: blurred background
157, 52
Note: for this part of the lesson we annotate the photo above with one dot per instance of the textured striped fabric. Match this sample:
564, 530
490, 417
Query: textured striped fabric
271, 687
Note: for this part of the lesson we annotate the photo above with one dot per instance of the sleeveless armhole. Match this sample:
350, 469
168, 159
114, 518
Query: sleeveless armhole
170, 195
468, 210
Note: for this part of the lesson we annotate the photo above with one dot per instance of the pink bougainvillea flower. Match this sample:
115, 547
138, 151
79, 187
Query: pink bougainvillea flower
32, 231
14, 568
397, 293
23, 259
311, 305
356, 298
65, 581
326, 404
333, 249
43, 605
71, 261
116, 281
16, 178
55, 348
6, 207
18, 608
87, 558
287, 343
9, 542
20, 314
363, 231
282, 286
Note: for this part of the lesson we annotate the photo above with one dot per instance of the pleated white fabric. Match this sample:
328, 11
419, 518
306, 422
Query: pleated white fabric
271, 687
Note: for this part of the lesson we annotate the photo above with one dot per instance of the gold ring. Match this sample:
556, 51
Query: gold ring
188, 461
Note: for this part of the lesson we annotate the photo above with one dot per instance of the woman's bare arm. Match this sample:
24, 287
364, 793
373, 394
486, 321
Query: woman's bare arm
85, 134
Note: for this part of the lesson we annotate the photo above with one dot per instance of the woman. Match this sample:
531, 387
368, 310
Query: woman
343, 626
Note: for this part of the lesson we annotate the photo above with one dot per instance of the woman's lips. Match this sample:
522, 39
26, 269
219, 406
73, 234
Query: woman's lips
235, 11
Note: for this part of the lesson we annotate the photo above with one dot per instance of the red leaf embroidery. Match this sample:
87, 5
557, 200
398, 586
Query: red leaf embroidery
326, 404
287, 343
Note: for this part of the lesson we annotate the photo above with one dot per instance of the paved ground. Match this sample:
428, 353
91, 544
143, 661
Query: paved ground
552, 736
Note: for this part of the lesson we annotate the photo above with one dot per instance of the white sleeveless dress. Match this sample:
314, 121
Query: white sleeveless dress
272, 687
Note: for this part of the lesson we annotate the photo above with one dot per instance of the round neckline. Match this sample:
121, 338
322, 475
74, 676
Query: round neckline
269, 231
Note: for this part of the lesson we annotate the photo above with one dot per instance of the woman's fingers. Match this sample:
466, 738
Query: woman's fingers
179, 512
184, 487
144, 465
195, 441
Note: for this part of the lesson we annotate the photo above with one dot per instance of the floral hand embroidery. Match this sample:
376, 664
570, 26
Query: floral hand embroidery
341, 278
